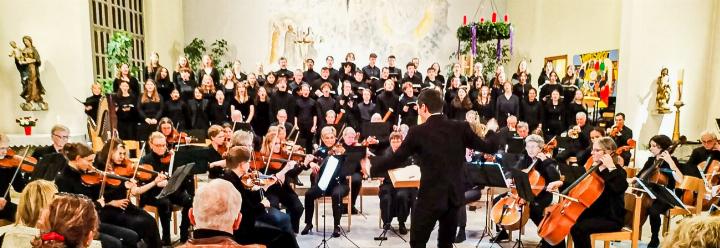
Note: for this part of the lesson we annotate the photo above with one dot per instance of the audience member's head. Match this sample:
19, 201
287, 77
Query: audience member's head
216, 207
33, 199
69, 221
698, 231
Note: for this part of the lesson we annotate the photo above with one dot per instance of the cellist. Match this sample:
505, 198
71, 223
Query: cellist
710, 148
659, 145
607, 213
541, 162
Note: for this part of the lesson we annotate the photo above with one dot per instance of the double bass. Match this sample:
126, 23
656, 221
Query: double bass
577, 197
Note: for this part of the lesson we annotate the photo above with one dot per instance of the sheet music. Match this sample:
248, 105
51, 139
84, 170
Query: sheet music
330, 168
407, 173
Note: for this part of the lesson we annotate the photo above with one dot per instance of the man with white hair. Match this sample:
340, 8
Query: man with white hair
710, 149
585, 128
215, 215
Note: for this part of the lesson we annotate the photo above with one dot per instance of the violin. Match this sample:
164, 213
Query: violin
167, 157
631, 143
145, 172
577, 197
710, 178
274, 162
177, 137
550, 146
614, 131
12, 160
95, 177
253, 179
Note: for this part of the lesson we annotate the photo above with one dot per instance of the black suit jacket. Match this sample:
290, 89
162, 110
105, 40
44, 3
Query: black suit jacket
440, 146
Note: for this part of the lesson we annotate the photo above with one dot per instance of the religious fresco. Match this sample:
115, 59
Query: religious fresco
405, 28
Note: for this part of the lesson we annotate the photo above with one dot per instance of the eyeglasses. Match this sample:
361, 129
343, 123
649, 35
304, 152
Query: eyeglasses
707, 141
61, 137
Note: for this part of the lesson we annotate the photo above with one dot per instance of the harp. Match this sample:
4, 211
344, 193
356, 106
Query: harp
99, 129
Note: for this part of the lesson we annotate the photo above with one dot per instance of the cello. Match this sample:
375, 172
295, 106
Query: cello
577, 197
510, 211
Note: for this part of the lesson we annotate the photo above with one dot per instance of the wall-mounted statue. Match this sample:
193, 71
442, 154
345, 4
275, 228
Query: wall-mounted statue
27, 61
663, 92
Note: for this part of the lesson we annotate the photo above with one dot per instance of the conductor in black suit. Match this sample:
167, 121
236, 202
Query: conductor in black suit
440, 145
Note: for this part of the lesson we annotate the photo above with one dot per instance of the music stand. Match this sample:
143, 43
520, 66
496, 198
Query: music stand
490, 175
244, 126
666, 195
524, 191
176, 180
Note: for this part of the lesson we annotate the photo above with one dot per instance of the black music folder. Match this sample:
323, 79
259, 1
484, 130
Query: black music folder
176, 180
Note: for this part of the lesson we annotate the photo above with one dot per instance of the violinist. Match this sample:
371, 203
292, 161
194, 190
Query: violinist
395, 202
336, 194
659, 145
536, 159
172, 136
595, 134
80, 160
156, 159
119, 210
7, 208
621, 134
283, 192
218, 148
255, 207
356, 162
607, 213
50, 157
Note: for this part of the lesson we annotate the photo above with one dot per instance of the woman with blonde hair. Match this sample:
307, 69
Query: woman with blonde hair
33, 199
150, 109
182, 63
698, 231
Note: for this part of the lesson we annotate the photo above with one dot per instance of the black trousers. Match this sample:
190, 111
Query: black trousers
8, 212
583, 228
395, 202
537, 212
136, 219
164, 206
285, 195
356, 181
336, 193
470, 196
654, 213
424, 215
117, 236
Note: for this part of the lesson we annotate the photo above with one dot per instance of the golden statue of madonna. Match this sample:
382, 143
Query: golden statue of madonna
663, 92
27, 61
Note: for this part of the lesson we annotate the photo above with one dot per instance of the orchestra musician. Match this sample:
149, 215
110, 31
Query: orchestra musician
50, 158
217, 148
7, 207
607, 213
710, 149
395, 202
535, 159
80, 160
621, 134
119, 210
442, 190
336, 194
670, 167
255, 207
157, 158
283, 192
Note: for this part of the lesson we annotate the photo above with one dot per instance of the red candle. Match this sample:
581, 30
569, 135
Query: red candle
505, 18
494, 17
482, 19
464, 20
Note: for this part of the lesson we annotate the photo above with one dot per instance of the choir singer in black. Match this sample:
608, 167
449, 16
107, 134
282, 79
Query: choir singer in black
440, 145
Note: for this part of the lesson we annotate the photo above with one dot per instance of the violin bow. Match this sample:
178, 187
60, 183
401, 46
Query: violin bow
7, 191
137, 166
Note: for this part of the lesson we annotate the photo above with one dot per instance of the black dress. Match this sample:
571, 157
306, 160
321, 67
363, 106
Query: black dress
571, 111
486, 110
244, 108
531, 113
164, 87
261, 122
506, 107
553, 119
547, 89
127, 116
92, 101
186, 89
178, 112
152, 110
198, 114
219, 113
133, 83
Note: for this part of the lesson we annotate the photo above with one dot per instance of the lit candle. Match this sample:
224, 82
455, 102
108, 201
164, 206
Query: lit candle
505, 18
464, 20
494, 17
